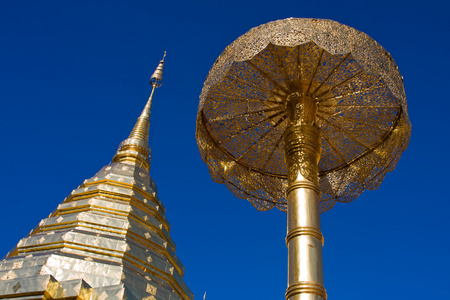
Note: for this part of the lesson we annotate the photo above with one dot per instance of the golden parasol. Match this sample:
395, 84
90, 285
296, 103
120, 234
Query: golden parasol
308, 108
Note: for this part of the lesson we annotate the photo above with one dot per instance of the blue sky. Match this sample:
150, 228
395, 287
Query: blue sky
74, 78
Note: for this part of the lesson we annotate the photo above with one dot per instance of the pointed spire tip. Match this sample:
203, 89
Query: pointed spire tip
157, 77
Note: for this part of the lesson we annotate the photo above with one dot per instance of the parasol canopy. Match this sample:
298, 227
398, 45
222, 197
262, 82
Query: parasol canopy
362, 110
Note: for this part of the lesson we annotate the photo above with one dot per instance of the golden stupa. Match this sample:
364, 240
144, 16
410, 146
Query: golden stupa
109, 239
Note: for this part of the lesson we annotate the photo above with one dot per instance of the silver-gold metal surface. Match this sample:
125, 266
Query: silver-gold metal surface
361, 110
109, 239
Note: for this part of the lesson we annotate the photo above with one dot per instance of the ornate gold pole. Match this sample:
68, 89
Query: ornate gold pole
304, 238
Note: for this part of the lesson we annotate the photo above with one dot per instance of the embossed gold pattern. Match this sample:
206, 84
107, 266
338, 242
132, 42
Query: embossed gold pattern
361, 110
302, 152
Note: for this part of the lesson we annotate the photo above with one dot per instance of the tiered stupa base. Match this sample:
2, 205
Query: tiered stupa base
108, 240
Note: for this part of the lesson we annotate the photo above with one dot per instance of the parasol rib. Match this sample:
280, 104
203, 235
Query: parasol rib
280, 66
225, 151
361, 121
332, 72
251, 126
266, 76
277, 144
241, 99
260, 138
230, 117
345, 131
315, 71
232, 77
370, 150
299, 65
325, 110
342, 97
334, 148
348, 106
339, 84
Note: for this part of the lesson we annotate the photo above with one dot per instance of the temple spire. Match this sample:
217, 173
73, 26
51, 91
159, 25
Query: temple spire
135, 149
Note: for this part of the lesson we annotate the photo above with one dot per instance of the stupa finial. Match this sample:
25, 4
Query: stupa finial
157, 77
135, 149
